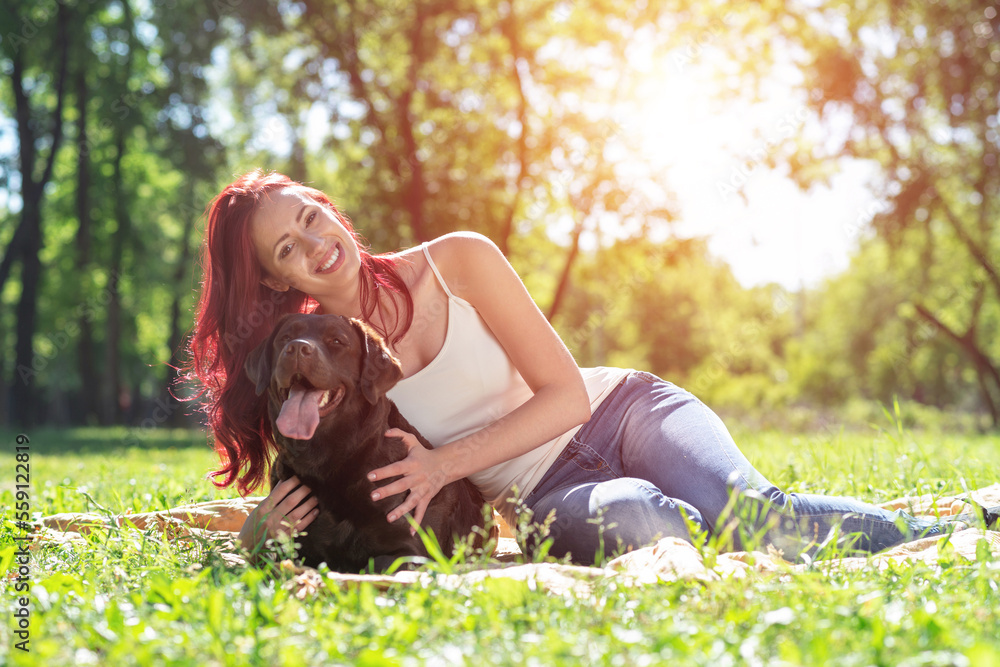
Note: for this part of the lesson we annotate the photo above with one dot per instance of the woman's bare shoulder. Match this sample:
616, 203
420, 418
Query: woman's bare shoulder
458, 242
460, 257
467, 260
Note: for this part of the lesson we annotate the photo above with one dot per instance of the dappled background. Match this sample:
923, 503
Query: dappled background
619, 154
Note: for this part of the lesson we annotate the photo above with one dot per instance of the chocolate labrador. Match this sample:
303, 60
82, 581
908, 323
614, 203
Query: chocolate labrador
326, 377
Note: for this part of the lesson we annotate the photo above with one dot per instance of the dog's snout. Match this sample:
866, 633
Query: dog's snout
299, 348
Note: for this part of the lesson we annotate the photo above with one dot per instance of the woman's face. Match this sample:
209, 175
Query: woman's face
301, 243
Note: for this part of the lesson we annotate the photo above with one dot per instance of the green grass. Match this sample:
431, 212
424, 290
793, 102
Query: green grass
129, 597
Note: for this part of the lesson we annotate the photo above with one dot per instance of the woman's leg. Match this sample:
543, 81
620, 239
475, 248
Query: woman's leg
675, 441
592, 519
651, 430
595, 507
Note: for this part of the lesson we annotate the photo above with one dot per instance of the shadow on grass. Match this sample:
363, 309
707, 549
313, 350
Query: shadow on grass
103, 440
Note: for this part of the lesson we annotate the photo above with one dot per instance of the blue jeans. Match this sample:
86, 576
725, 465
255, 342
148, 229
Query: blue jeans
653, 454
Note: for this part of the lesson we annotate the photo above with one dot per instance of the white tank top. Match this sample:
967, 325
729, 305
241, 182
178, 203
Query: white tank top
470, 384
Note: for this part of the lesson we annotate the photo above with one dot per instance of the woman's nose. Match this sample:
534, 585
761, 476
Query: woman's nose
314, 244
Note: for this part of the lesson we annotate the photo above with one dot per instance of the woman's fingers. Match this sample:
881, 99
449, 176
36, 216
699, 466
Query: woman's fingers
283, 522
289, 506
278, 493
419, 514
391, 470
392, 489
399, 467
413, 499
306, 520
291, 500
419, 473
307, 506
409, 439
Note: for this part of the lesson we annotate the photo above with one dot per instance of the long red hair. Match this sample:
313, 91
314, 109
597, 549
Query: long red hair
236, 312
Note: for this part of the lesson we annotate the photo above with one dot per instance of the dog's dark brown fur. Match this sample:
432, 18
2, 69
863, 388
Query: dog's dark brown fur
333, 352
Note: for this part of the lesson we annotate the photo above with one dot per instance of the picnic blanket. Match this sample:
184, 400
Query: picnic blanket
670, 559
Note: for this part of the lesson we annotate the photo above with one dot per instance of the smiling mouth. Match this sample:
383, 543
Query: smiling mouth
334, 256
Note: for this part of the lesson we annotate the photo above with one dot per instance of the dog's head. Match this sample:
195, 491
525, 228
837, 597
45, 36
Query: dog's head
316, 366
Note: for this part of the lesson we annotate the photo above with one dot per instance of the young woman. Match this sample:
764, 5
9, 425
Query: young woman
621, 456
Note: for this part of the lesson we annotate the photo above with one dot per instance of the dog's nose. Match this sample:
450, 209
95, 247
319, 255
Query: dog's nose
299, 348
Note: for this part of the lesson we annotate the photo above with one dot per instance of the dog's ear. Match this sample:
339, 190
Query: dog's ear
258, 363
380, 371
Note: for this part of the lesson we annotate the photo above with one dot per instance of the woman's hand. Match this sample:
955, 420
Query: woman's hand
423, 475
279, 513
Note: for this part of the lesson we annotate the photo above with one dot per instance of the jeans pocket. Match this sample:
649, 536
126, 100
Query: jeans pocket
578, 463
585, 458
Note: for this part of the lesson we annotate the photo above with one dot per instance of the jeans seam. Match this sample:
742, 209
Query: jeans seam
637, 483
718, 440
863, 518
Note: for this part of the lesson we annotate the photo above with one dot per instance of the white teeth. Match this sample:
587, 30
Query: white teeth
330, 262
326, 399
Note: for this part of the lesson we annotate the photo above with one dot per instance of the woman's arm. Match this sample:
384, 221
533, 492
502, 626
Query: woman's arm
476, 270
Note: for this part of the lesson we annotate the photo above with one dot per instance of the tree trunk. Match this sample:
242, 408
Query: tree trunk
4, 388
23, 407
90, 386
23, 403
113, 405
114, 408
13, 252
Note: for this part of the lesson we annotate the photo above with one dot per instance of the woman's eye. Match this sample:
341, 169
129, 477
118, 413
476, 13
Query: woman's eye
284, 251
310, 218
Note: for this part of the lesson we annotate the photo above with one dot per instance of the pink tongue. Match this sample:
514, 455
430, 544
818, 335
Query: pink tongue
300, 413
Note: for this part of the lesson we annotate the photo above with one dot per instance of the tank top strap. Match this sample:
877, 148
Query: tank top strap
437, 273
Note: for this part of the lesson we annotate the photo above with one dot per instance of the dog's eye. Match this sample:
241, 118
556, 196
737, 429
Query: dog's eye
334, 341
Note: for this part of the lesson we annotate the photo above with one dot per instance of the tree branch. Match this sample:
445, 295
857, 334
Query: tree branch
968, 345
345, 47
567, 268
57, 120
974, 249
415, 191
22, 111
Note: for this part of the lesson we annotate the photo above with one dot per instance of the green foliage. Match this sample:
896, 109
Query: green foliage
920, 90
513, 119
